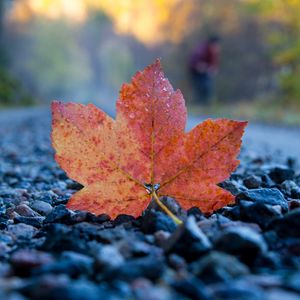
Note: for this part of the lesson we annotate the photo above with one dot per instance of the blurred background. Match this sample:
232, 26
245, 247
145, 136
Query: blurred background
83, 50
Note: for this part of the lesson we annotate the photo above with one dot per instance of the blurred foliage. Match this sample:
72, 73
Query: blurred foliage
85, 49
11, 90
246, 69
282, 27
118, 64
52, 57
263, 108
148, 21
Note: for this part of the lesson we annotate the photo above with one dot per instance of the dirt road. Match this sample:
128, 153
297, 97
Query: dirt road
258, 137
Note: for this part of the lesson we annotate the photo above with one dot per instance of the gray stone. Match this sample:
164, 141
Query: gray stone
41, 207
78, 257
241, 241
188, 240
258, 212
238, 290
150, 267
288, 187
23, 261
288, 225
267, 196
294, 203
154, 220
22, 231
161, 237
33, 221
292, 282
107, 257
281, 173
232, 186
252, 182
4, 249
25, 211
59, 214
75, 290
217, 266
278, 294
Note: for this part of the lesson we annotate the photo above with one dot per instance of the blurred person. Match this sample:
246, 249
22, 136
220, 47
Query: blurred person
203, 66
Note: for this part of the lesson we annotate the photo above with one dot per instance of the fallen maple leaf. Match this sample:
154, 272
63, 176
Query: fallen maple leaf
145, 152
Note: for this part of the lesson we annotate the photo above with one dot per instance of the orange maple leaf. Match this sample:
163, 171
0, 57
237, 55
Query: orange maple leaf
145, 152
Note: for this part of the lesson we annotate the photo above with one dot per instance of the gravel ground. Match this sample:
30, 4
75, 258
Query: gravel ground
250, 250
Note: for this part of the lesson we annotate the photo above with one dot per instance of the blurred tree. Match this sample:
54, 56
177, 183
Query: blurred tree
11, 90
58, 59
282, 27
246, 67
151, 22
84, 49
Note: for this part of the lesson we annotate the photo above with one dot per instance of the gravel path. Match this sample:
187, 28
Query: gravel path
258, 137
268, 138
246, 251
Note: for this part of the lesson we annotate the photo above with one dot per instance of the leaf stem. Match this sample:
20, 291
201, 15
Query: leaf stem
165, 209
